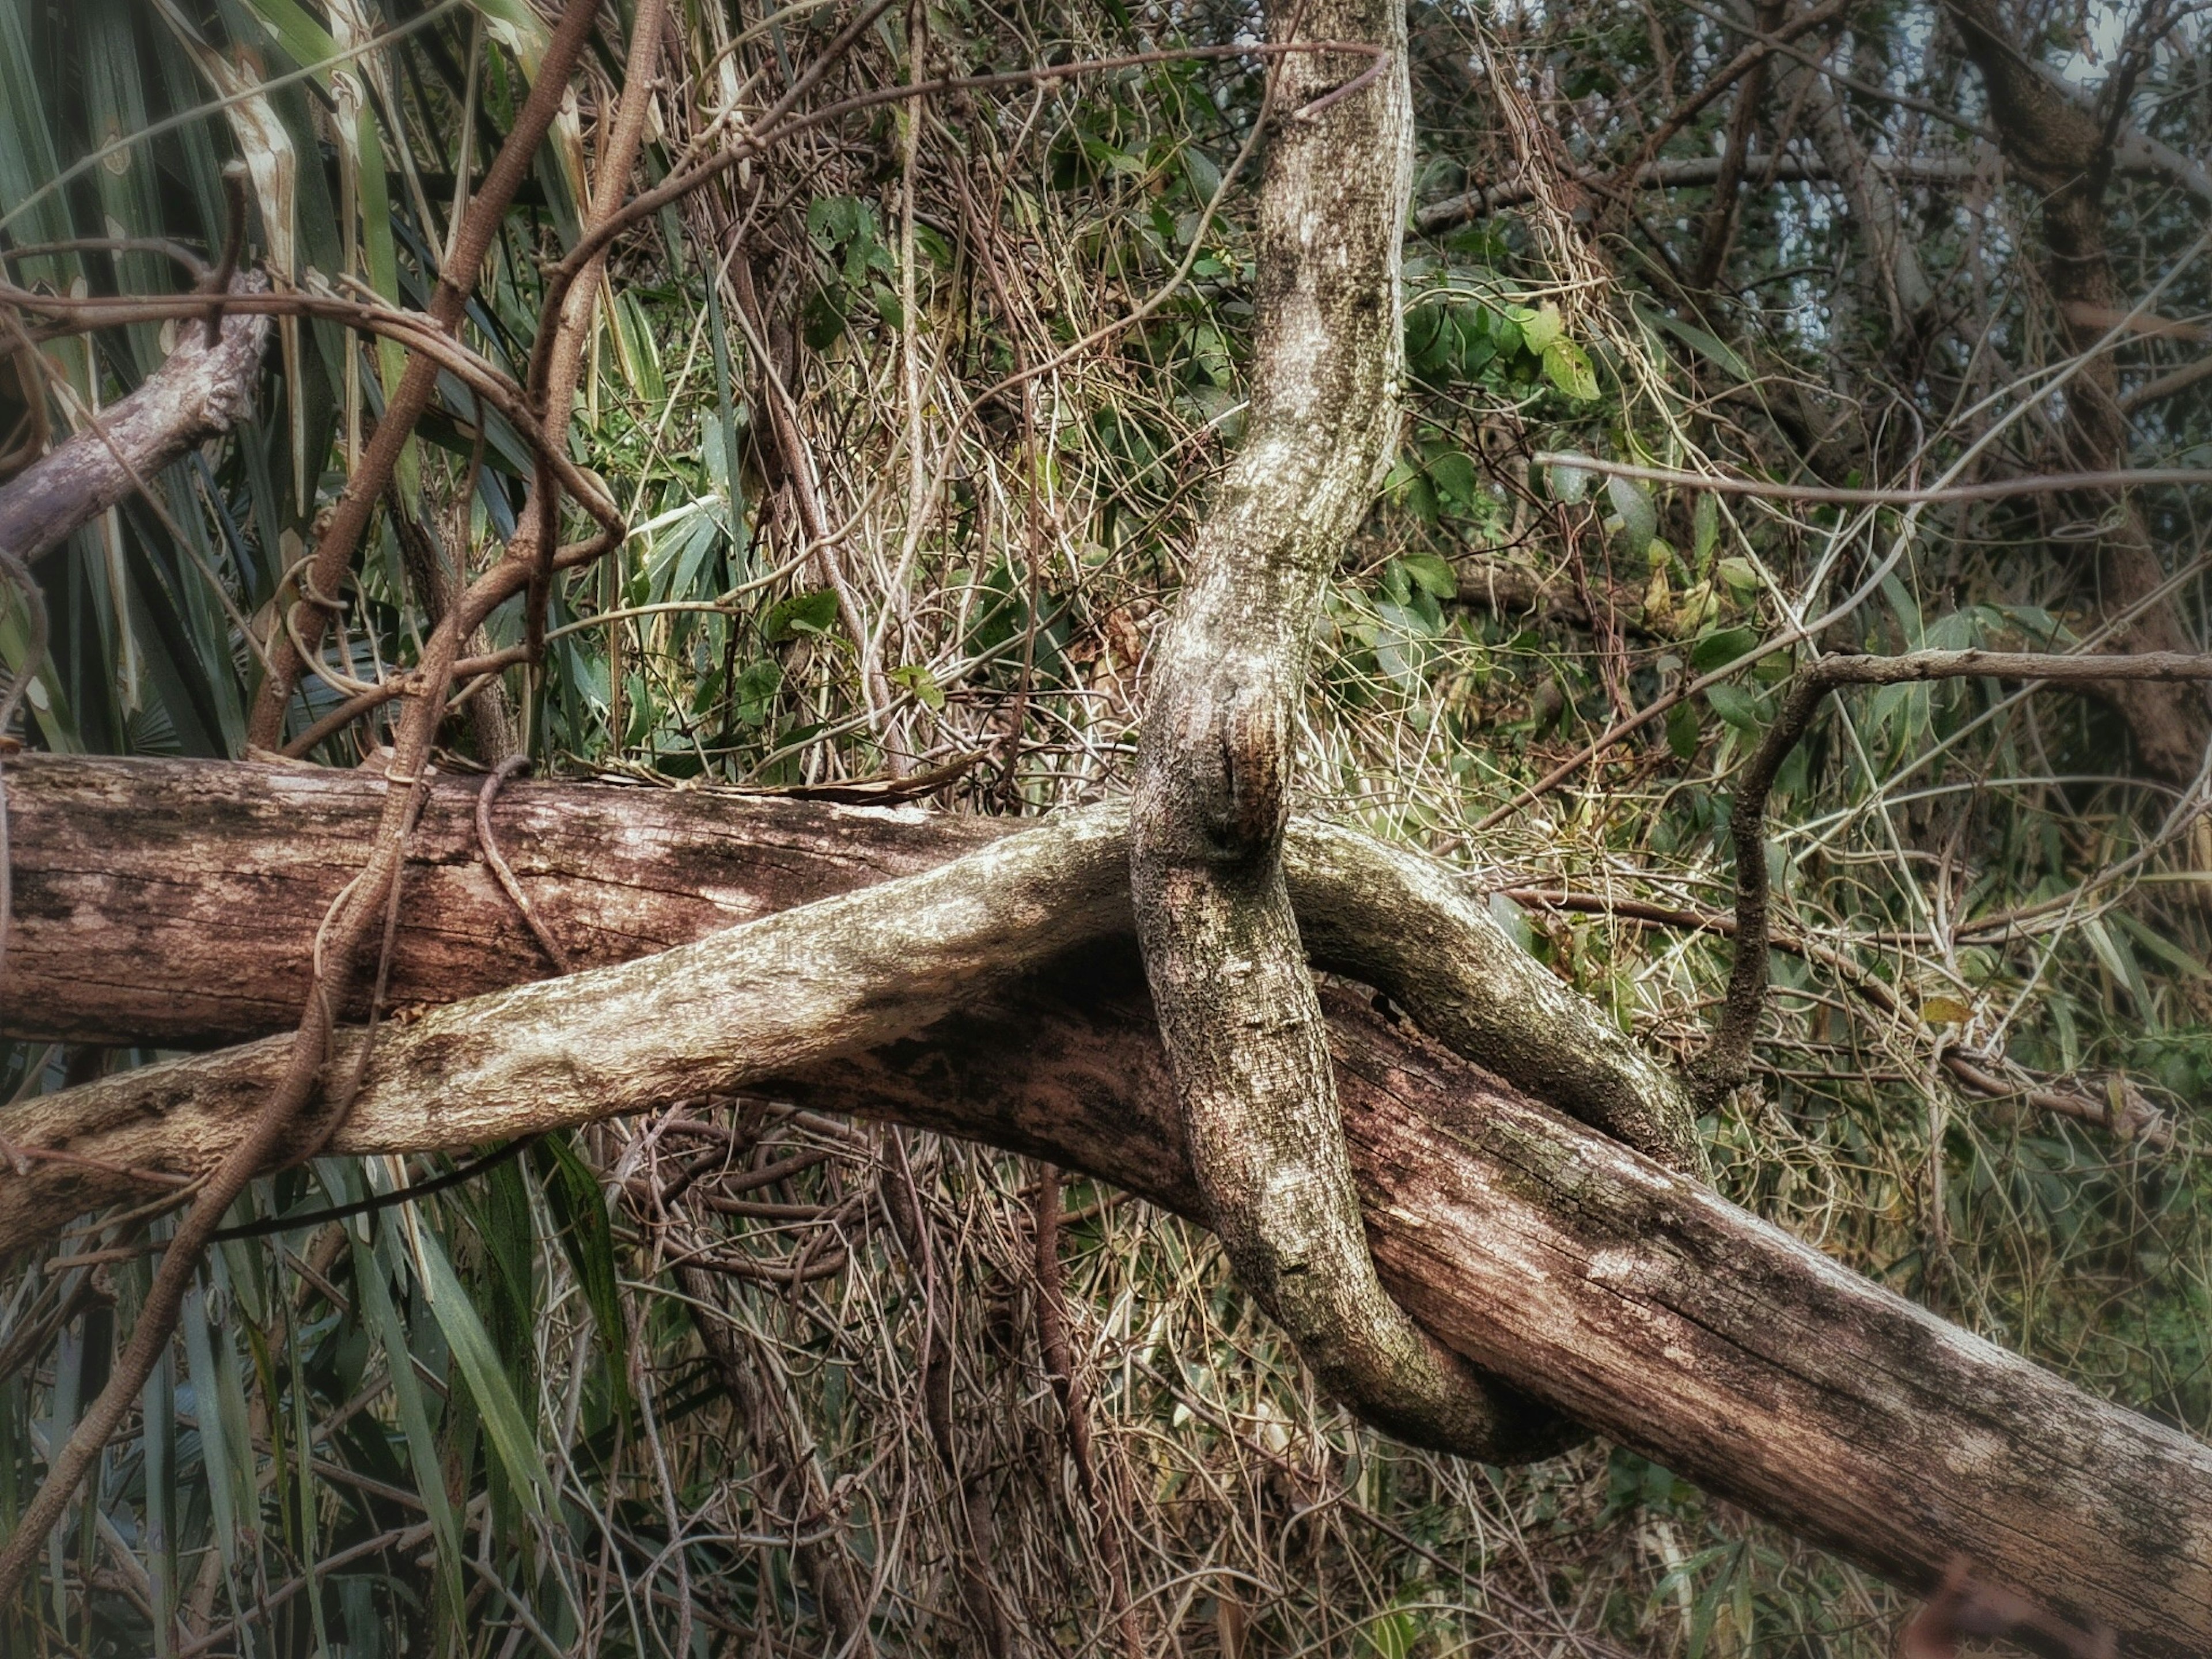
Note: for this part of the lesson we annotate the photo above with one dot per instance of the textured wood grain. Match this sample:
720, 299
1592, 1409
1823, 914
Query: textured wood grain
1594, 1280
171, 904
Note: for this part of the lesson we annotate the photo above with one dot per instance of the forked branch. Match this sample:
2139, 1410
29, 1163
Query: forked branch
1726, 1063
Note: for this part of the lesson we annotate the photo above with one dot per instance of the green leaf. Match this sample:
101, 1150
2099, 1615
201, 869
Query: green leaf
1740, 575
1454, 475
1639, 516
580, 1211
1709, 347
802, 613
1431, 575
1568, 483
519, 29
1721, 646
1705, 529
1682, 730
510, 1432
1744, 710
753, 693
1567, 368
919, 681
383, 1321
1200, 171
290, 27
1540, 331
216, 1450
1392, 1635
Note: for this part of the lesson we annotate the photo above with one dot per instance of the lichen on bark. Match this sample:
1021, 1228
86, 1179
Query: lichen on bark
1238, 1009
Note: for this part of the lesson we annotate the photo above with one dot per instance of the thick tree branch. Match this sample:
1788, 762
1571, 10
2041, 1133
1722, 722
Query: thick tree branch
1221, 943
171, 904
198, 392
1588, 1277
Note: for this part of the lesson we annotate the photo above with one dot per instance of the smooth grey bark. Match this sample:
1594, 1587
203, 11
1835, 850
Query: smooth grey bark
199, 392
1237, 1011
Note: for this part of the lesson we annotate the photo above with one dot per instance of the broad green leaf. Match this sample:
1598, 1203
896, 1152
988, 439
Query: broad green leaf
129, 190
2160, 946
1454, 478
1721, 647
1431, 575
1393, 1635
1640, 515
1566, 367
1742, 709
519, 29
305, 40
754, 692
1740, 576
1541, 329
1567, 482
813, 612
1682, 730
215, 1449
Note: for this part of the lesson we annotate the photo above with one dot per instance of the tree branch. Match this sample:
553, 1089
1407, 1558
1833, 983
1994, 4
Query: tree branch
1586, 1276
197, 393
1726, 1063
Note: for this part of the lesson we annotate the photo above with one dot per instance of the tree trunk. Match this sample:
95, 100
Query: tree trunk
2063, 152
1591, 1278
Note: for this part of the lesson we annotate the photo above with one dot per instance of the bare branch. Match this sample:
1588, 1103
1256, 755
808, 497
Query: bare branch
197, 393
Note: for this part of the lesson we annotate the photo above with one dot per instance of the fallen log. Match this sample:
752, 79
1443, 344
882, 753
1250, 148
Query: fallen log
173, 905
1589, 1277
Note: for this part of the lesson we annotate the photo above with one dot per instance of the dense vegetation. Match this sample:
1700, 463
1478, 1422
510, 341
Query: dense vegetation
911, 418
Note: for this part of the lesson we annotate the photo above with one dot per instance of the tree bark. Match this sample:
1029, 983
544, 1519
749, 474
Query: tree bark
1211, 804
199, 392
2063, 152
172, 904
1588, 1277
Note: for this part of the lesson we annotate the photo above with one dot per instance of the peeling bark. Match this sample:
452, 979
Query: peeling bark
198, 392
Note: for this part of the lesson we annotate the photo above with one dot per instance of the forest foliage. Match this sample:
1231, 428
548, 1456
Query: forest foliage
987, 347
